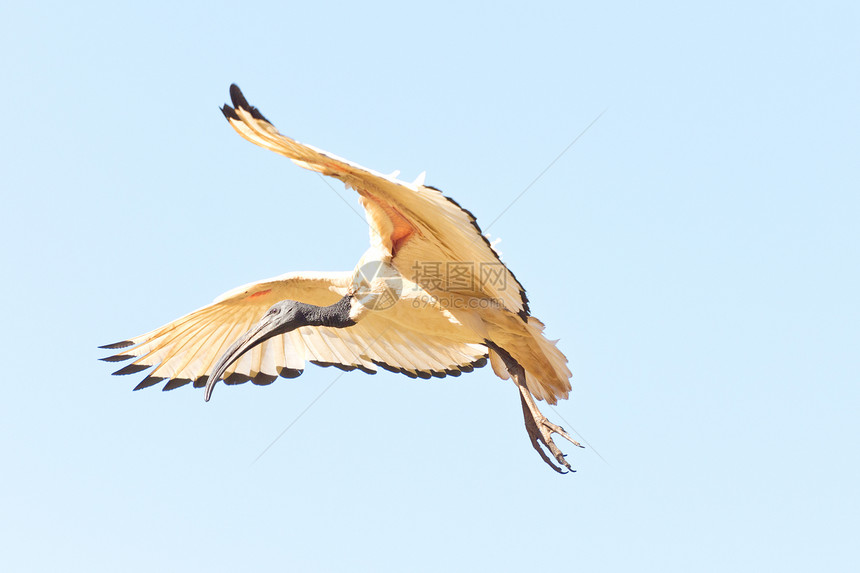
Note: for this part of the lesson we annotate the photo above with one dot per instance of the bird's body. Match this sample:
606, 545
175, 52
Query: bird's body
429, 298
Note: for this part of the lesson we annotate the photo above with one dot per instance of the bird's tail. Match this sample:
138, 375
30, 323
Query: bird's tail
547, 374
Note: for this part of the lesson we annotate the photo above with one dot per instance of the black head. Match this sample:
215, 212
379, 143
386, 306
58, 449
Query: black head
281, 317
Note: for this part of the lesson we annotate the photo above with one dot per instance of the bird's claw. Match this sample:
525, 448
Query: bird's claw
540, 431
547, 429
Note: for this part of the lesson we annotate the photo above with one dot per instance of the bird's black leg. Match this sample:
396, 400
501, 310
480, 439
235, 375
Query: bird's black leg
539, 428
536, 438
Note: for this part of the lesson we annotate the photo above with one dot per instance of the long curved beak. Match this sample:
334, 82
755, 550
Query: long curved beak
268, 327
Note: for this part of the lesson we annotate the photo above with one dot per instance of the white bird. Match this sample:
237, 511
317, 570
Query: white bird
429, 298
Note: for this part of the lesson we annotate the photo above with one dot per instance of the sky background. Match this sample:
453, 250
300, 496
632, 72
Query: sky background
696, 251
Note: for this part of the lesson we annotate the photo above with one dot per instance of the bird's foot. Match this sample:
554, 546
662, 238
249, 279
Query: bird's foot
540, 431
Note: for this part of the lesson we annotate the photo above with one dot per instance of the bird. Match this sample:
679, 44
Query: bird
430, 297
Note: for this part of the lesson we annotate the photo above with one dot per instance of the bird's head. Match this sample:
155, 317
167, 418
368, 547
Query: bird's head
282, 317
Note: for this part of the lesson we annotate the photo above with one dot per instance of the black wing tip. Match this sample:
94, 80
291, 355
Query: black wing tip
175, 383
117, 358
147, 382
388, 367
229, 113
262, 379
239, 101
396, 369
344, 367
116, 345
427, 374
470, 367
237, 97
236, 378
290, 372
131, 369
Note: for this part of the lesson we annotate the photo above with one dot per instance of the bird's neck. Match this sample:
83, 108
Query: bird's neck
334, 316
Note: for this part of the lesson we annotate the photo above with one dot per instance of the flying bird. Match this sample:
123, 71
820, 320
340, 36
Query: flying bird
429, 298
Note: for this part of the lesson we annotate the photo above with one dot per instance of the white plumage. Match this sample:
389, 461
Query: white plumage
439, 302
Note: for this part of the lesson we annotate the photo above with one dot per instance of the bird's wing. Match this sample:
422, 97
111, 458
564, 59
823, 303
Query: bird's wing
421, 342
431, 239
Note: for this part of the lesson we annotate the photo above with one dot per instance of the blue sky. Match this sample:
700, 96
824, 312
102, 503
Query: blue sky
695, 251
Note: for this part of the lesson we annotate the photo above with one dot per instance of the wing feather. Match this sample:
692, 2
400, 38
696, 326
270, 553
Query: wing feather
186, 350
418, 226
295, 350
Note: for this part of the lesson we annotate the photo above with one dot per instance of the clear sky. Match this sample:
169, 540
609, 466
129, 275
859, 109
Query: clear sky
696, 251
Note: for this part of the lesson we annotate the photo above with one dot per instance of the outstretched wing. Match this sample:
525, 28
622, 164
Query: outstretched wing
419, 342
432, 240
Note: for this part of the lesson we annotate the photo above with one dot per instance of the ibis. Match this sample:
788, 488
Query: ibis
430, 298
